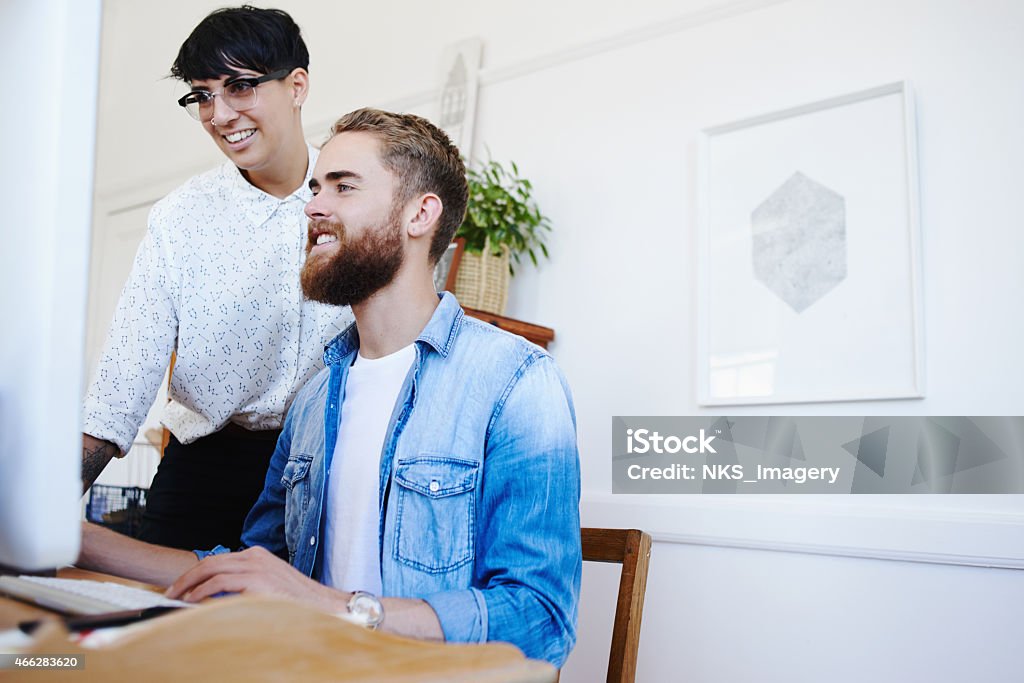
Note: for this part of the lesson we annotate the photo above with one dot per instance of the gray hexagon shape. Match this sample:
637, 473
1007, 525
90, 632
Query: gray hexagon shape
799, 246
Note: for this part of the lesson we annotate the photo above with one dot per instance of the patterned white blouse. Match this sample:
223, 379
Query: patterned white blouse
217, 279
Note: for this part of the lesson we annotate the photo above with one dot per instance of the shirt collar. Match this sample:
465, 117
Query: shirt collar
260, 206
439, 333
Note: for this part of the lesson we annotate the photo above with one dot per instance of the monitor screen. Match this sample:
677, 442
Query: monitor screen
47, 134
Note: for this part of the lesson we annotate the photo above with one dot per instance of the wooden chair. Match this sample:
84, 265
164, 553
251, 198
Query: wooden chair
632, 549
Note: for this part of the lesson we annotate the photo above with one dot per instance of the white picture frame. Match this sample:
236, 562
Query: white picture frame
457, 93
808, 254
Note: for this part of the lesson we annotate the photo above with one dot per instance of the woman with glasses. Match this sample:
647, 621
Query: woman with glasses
216, 282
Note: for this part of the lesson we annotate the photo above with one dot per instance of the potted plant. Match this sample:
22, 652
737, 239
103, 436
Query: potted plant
502, 224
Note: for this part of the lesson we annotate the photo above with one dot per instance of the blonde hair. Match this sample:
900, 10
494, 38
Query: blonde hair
423, 158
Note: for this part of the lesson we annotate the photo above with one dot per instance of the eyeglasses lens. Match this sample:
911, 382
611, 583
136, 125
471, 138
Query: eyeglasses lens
240, 95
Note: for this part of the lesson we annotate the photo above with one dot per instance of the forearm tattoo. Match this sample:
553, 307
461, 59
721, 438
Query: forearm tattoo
95, 456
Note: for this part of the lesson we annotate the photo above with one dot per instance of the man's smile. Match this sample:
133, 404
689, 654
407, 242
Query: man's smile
322, 237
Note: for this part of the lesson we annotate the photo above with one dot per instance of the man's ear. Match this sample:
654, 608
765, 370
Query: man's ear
428, 212
298, 81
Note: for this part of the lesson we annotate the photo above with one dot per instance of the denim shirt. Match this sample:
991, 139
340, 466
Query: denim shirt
479, 484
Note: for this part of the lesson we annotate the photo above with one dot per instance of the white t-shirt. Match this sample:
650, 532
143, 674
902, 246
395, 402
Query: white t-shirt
352, 552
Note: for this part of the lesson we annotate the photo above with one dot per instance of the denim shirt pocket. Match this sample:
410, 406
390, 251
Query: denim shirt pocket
436, 512
295, 479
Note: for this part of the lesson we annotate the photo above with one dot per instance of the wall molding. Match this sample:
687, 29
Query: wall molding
819, 525
625, 39
126, 197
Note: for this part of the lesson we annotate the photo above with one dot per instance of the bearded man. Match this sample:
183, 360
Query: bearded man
433, 461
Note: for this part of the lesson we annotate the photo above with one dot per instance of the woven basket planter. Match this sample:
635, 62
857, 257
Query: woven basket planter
482, 280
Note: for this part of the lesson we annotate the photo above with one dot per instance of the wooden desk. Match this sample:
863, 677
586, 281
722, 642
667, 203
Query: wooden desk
267, 639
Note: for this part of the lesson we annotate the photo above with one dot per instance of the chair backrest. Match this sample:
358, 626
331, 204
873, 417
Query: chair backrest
632, 549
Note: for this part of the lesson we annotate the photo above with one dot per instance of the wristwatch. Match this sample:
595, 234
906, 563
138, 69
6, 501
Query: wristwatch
366, 609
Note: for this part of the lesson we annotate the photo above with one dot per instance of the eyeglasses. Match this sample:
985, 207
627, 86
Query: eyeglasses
238, 93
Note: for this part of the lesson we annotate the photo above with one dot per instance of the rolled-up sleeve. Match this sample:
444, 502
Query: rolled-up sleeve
203, 554
463, 615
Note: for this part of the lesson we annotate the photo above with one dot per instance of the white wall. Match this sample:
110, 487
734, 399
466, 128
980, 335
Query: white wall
722, 614
600, 104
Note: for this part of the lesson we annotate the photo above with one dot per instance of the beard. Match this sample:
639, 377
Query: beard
358, 267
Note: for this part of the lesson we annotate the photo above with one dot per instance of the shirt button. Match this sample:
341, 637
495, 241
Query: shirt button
312, 540
434, 486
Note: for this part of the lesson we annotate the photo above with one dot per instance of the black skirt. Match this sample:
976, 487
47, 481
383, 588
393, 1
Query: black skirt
203, 491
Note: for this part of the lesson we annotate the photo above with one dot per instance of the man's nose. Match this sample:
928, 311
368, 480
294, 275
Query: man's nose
313, 208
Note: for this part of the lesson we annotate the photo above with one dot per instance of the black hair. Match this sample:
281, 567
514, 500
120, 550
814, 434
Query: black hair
246, 37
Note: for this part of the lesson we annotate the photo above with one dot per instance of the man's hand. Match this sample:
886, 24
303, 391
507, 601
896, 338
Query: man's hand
260, 572
256, 571
96, 453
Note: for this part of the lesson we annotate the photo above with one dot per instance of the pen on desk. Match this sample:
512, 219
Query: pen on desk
84, 623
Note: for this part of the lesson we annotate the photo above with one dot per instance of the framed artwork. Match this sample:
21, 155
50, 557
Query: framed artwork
808, 254
456, 99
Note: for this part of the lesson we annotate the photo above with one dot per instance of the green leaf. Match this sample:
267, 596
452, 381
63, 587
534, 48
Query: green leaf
502, 209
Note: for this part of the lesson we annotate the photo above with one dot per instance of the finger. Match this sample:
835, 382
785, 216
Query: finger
225, 583
205, 569
212, 586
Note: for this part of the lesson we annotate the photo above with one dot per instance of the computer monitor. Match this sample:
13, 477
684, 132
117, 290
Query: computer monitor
50, 50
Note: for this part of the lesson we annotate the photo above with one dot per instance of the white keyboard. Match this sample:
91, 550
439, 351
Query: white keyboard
82, 596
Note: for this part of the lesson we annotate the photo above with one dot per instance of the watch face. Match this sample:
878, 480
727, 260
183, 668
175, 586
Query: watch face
367, 607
